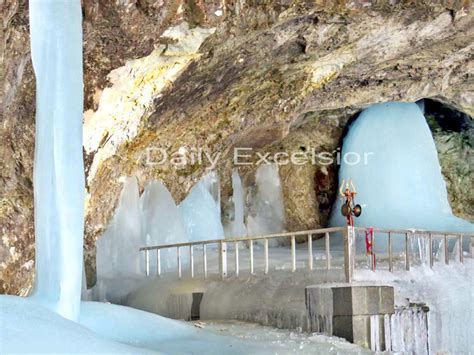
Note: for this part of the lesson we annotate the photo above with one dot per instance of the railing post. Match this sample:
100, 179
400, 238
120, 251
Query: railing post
390, 255
461, 257
372, 254
310, 252
265, 252
236, 259
430, 249
349, 261
147, 262
328, 251
407, 253
191, 260
178, 251
446, 249
158, 262
223, 259
204, 260
293, 254
251, 256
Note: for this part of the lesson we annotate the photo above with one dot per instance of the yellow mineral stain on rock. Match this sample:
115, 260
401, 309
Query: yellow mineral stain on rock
130, 99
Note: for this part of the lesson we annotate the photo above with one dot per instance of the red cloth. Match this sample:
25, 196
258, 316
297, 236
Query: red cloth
368, 243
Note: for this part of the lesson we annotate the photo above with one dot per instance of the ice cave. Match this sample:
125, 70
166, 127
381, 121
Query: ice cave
236, 239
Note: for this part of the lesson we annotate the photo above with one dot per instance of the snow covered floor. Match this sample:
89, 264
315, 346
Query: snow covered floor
27, 327
283, 341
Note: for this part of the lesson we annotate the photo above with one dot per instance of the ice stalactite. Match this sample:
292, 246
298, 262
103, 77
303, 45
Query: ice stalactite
117, 249
266, 212
390, 155
161, 222
201, 213
56, 51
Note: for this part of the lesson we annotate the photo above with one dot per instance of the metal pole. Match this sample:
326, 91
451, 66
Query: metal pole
223, 259
251, 257
461, 257
390, 255
147, 262
191, 260
265, 250
204, 260
158, 262
310, 252
407, 253
293, 253
179, 262
430, 249
349, 261
446, 250
328, 251
236, 259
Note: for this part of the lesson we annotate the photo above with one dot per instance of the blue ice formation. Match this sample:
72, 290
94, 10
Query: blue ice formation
56, 51
236, 227
161, 222
117, 249
201, 213
266, 211
391, 157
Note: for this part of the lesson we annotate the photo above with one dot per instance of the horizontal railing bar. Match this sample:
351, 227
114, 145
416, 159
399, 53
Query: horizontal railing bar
243, 239
301, 233
416, 231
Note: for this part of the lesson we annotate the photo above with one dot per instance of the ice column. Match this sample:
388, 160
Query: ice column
238, 226
56, 50
390, 155
266, 212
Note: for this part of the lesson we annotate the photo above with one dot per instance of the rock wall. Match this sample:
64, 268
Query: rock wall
274, 76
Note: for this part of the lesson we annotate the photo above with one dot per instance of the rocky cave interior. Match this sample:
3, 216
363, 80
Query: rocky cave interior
269, 77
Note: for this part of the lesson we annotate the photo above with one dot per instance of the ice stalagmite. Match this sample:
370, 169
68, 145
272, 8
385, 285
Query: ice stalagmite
390, 155
117, 249
56, 51
201, 213
161, 222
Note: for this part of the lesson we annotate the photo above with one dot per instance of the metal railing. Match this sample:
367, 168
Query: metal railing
349, 241
408, 235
